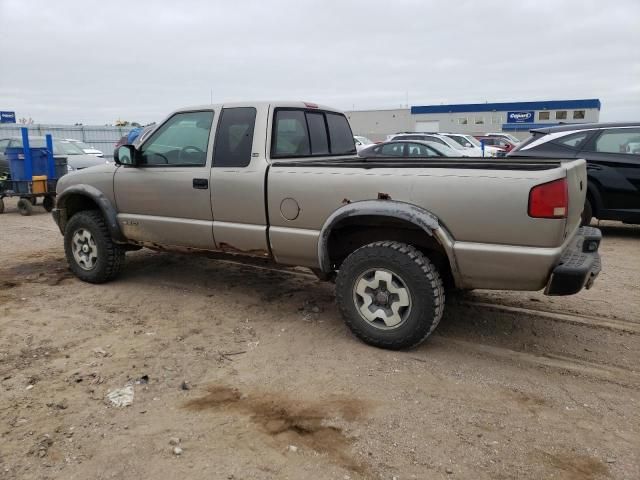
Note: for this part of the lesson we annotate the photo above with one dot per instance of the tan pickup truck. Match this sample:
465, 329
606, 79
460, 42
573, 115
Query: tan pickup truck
282, 181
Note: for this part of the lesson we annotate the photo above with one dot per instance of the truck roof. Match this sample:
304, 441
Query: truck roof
258, 104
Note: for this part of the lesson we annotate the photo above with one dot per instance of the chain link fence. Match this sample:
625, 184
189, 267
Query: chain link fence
102, 138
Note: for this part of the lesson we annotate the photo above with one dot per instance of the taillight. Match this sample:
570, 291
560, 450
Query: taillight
310, 105
549, 200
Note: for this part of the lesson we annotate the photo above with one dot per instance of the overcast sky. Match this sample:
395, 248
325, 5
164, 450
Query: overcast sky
96, 61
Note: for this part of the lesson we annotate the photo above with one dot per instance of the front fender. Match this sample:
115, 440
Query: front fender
60, 213
388, 208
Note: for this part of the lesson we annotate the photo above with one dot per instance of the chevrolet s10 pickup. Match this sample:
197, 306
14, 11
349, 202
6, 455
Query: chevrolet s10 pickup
281, 181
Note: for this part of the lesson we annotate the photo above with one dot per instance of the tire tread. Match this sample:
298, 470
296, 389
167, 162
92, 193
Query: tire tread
115, 253
435, 284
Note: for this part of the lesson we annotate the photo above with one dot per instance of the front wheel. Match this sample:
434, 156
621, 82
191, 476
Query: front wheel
91, 253
390, 295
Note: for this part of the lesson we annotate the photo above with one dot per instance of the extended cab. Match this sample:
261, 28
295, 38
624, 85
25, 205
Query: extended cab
281, 181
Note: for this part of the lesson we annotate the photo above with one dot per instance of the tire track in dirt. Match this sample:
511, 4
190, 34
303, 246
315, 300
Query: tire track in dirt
53, 270
618, 375
594, 322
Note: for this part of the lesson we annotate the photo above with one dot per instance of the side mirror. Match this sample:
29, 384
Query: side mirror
126, 155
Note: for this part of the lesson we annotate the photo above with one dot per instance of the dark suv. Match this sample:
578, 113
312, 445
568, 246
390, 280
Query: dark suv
612, 151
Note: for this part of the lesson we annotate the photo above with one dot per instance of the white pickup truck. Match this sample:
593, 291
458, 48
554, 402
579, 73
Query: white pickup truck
282, 181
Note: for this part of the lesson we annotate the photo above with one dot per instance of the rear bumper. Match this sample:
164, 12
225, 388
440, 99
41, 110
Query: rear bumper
579, 264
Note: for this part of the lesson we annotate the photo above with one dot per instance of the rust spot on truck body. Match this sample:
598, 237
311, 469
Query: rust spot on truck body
228, 248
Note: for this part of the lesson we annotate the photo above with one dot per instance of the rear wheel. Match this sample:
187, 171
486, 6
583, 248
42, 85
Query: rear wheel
587, 213
90, 251
390, 295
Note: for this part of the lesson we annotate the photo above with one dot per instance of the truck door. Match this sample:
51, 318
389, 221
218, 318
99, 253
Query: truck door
166, 199
238, 181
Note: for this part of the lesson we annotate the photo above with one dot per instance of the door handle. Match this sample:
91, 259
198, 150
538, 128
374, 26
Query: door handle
200, 183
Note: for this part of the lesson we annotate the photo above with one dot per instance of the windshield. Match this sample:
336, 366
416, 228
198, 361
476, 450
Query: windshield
80, 144
451, 143
464, 141
473, 140
363, 140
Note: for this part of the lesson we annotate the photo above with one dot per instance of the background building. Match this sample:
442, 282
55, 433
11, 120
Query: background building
475, 118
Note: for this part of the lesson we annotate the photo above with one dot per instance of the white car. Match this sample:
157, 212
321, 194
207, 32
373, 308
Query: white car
88, 149
361, 142
471, 142
442, 140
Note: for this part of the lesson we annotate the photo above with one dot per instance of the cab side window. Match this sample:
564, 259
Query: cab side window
291, 135
317, 134
181, 141
341, 138
234, 137
305, 133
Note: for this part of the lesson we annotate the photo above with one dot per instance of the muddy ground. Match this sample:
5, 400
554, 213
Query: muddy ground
254, 372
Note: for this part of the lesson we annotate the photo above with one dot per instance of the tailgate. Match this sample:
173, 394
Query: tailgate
577, 190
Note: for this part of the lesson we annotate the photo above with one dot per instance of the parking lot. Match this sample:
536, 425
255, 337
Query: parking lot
250, 373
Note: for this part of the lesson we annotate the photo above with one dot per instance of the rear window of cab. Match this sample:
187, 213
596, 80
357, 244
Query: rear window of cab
307, 133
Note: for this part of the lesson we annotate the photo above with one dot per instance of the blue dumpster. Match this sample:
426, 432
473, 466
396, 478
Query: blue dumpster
39, 164
17, 163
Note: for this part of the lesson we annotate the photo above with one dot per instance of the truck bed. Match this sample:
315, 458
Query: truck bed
413, 162
479, 202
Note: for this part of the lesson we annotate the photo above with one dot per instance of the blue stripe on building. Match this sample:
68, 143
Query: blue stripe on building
505, 107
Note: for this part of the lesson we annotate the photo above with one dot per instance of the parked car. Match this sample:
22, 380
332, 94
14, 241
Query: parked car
88, 149
76, 158
612, 151
390, 136
470, 142
281, 181
507, 136
503, 145
362, 142
440, 139
412, 148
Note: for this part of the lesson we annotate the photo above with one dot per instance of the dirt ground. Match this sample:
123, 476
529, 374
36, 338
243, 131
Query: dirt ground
250, 373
